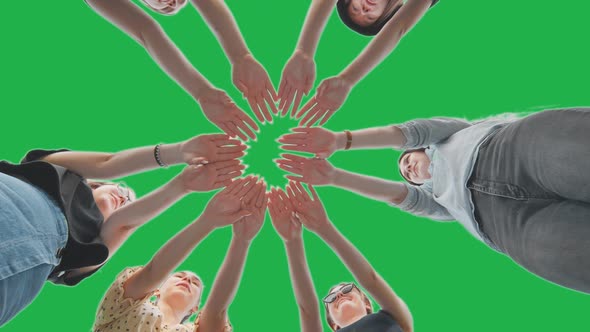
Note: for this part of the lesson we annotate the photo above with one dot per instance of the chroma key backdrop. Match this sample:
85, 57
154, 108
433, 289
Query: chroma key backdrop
72, 80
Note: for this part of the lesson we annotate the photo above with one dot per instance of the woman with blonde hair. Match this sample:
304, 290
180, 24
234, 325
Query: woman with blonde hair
347, 307
56, 225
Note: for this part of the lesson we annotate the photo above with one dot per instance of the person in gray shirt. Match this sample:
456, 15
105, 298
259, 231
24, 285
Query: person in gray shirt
520, 185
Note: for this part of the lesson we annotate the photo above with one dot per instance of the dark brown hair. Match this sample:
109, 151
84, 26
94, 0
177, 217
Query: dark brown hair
392, 7
400, 169
364, 296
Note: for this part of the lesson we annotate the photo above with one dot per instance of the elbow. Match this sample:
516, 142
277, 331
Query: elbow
149, 31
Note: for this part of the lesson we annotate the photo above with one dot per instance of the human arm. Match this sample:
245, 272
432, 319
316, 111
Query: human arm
225, 286
222, 210
313, 216
282, 213
333, 91
102, 165
248, 75
147, 32
299, 72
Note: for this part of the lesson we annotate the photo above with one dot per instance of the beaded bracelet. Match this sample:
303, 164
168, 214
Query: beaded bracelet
157, 155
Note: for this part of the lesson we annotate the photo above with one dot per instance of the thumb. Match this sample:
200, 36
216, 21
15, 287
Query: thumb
199, 160
242, 87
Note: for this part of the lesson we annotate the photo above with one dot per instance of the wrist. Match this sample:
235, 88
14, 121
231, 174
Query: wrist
337, 177
347, 77
327, 231
304, 51
294, 241
170, 154
341, 140
176, 187
239, 55
241, 241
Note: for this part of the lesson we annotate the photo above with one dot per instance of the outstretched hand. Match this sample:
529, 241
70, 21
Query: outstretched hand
225, 114
316, 140
309, 170
226, 207
212, 148
282, 214
310, 212
256, 202
330, 95
206, 177
253, 81
297, 80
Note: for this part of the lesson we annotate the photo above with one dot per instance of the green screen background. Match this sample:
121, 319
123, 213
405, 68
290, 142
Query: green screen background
71, 79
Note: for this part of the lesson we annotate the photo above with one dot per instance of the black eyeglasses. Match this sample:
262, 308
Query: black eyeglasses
344, 290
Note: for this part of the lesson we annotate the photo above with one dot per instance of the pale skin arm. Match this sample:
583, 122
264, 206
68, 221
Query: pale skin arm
314, 25
386, 40
132, 20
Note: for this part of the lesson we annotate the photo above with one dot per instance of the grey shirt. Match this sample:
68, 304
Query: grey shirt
453, 147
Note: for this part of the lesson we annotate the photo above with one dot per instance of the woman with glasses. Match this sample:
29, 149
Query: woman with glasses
519, 185
128, 305
248, 75
347, 307
56, 225
387, 20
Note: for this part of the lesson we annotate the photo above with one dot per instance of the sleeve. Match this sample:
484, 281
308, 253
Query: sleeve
114, 305
433, 3
424, 132
37, 154
421, 203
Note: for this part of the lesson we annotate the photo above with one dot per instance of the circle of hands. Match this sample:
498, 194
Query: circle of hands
214, 159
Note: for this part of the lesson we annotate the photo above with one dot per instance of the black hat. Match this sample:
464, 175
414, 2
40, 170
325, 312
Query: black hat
370, 30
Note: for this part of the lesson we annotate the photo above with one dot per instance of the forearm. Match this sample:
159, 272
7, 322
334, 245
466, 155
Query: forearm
371, 187
372, 138
168, 258
228, 279
224, 26
314, 25
132, 20
386, 40
303, 287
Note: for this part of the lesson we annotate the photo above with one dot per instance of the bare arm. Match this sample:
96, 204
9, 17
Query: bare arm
130, 18
371, 187
386, 40
314, 25
368, 277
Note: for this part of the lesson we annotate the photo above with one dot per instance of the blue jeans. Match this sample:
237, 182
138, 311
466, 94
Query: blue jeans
32, 231
531, 192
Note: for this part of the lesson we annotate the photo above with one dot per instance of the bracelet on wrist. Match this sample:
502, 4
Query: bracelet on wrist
348, 139
158, 155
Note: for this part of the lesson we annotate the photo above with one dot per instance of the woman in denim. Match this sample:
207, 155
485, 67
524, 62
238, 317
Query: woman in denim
521, 186
55, 225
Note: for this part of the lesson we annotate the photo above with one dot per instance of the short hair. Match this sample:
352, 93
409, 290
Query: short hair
363, 296
370, 30
400, 169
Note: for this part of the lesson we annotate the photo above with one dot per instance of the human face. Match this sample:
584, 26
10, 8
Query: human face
167, 7
182, 291
366, 12
110, 197
414, 166
346, 308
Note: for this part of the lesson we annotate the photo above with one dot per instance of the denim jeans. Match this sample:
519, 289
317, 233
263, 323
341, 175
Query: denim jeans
531, 192
33, 230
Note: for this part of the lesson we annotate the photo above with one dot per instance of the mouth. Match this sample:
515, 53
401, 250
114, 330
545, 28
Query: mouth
371, 2
184, 285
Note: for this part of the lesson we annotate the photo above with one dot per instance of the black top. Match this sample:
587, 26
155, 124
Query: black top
381, 321
73, 195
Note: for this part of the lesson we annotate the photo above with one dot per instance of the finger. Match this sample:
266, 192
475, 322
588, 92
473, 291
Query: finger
248, 120
217, 137
294, 157
264, 108
316, 117
247, 187
228, 176
254, 107
230, 156
284, 198
240, 214
294, 178
225, 128
269, 100
244, 128
297, 196
231, 169
233, 185
297, 103
313, 112
313, 193
283, 103
261, 196
282, 87
327, 117
199, 161
271, 89
226, 163
290, 97
242, 87
290, 169
231, 142
304, 130
236, 187
231, 149
309, 105
302, 191
295, 136
292, 164
297, 147
233, 127
251, 195
221, 184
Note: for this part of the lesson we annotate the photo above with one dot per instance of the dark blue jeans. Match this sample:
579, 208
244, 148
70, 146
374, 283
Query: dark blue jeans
531, 191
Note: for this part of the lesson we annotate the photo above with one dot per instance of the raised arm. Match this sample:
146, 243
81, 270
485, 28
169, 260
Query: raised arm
101, 165
312, 215
225, 286
299, 72
333, 91
282, 213
146, 31
248, 75
223, 209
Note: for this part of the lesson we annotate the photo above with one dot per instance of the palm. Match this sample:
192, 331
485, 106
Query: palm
333, 92
281, 213
318, 171
297, 80
223, 112
252, 80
